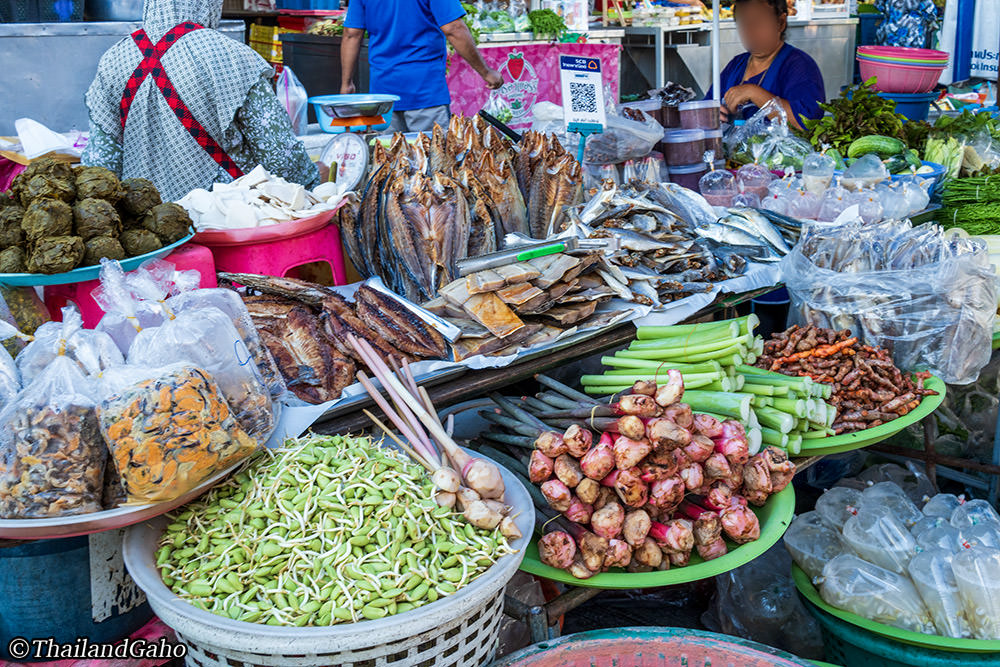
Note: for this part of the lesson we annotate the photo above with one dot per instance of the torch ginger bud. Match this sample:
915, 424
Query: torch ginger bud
540, 467
577, 440
557, 549
630, 453
551, 444
568, 470
671, 392
557, 494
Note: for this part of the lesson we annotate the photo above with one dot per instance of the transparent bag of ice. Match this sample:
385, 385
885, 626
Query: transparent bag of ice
983, 534
817, 172
927, 523
943, 505
803, 205
934, 580
125, 314
945, 536
866, 172
977, 573
870, 591
812, 543
92, 350
972, 513
892, 496
837, 505
879, 537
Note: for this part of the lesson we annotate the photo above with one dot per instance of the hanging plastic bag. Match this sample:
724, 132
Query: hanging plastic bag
622, 139
125, 315
294, 98
93, 351
52, 456
168, 429
206, 338
498, 107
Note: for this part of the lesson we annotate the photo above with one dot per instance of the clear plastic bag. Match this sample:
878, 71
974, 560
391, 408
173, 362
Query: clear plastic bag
124, 314
891, 496
838, 505
752, 141
977, 573
52, 456
973, 513
857, 586
817, 173
929, 299
812, 543
93, 351
945, 537
168, 429
879, 537
622, 138
206, 338
932, 575
983, 534
498, 107
926, 524
292, 95
943, 505
10, 377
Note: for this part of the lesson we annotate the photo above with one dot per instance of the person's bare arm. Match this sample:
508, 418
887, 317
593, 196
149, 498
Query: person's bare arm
460, 38
350, 48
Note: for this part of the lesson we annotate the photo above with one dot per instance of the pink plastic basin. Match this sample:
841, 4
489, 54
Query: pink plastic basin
891, 78
900, 61
893, 62
904, 52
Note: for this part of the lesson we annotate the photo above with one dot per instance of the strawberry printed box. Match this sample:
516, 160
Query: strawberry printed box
531, 75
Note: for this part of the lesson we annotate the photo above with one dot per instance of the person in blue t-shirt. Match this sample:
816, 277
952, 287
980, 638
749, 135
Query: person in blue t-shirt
771, 68
407, 56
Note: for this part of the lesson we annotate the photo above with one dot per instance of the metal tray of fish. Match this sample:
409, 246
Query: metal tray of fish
96, 522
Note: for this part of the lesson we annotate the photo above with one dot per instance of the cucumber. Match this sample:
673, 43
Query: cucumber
838, 159
896, 164
884, 147
913, 159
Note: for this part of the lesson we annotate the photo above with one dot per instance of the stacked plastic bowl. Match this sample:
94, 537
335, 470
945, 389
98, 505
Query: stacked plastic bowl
899, 69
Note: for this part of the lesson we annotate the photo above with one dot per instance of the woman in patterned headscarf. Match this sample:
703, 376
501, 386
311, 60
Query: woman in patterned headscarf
185, 106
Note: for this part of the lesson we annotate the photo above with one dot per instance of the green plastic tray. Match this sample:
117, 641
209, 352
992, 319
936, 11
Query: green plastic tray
836, 444
807, 589
775, 517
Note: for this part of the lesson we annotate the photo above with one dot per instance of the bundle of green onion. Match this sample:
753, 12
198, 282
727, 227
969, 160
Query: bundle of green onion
715, 359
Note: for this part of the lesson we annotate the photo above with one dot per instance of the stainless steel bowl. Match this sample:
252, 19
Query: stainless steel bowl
353, 106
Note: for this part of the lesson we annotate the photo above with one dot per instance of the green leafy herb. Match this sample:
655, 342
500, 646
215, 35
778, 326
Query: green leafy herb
546, 22
858, 112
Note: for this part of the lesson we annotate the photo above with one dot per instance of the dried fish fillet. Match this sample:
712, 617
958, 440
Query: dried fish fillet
493, 314
484, 281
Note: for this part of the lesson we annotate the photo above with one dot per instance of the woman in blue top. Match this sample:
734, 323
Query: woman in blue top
771, 68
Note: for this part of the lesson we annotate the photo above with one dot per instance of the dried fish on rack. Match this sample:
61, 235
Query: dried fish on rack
305, 326
451, 195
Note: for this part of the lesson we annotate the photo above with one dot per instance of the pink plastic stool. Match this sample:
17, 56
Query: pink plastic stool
188, 256
280, 257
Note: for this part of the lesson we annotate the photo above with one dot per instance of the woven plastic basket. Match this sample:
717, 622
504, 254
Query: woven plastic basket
460, 630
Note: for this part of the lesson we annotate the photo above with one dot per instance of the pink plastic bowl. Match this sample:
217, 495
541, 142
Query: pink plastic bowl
904, 52
893, 62
892, 78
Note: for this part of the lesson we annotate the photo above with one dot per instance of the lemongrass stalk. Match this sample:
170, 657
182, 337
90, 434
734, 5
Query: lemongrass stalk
674, 330
624, 363
404, 427
717, 402
402, 445
694, 346
771, 418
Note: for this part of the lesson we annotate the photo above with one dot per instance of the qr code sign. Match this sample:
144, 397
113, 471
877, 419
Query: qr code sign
583, 97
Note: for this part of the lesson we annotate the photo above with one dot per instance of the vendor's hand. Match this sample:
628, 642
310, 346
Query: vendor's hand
347, 88
493, 79
747, 92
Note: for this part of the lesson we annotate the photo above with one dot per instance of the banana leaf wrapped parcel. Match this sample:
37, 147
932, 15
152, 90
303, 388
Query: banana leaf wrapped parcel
45, 218
98, 183
95, 217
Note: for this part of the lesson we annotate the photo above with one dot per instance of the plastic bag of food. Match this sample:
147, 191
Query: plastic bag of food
926, 524
206, 338
168, 429
943, 505
125, 315
52, 456
932, 575
753, 140
786, 151
875, 593
93, 351
190, 297
294, 98
622, 139
973, 513
928, 299
880, 538
977, 573
25, 310
983, 534
838, 505
944, 536
812, 543
10, 377
891, 496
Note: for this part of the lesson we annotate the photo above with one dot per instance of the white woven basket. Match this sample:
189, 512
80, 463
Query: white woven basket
460, 630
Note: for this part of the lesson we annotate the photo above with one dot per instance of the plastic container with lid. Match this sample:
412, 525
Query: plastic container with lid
683, 147
713, 141
671, 115
688, 175
700, 114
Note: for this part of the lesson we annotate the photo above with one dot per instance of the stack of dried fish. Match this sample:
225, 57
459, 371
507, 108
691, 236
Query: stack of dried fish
528, 303
452, 195
305, 327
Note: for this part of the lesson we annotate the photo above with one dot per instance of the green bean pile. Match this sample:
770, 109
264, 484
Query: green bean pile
325, 530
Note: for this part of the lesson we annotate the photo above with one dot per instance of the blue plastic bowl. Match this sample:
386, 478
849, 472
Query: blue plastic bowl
915, 106
323, 106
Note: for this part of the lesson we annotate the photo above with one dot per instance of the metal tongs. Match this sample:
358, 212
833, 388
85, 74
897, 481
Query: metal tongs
522, 253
